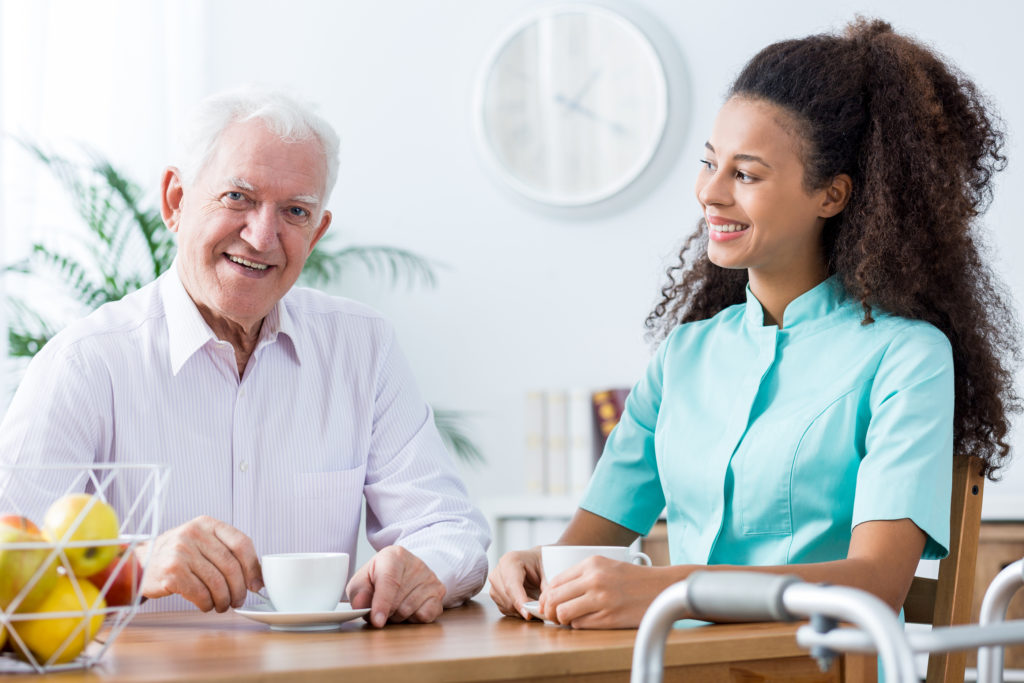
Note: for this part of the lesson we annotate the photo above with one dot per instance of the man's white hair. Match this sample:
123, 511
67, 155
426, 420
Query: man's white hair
282, 114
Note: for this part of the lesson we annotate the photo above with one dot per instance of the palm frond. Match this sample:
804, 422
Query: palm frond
326, 264
449, 424
159, 241
28, 330
74, 277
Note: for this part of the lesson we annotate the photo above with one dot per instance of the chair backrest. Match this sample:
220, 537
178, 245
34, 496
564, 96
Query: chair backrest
947, 600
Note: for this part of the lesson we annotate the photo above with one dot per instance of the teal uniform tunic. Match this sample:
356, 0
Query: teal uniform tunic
766, 446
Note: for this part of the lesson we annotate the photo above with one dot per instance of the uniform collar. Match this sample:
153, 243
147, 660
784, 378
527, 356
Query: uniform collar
187, 331
813, 305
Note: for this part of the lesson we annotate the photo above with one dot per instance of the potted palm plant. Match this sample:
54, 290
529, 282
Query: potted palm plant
120, 227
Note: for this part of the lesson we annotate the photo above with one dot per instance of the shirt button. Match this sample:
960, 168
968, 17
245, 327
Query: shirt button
241, 393
243, 466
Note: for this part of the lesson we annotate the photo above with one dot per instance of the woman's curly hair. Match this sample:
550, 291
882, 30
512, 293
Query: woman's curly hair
917, 139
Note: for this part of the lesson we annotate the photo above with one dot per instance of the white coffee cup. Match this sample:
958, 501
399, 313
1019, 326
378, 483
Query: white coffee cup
558, 558
305, 582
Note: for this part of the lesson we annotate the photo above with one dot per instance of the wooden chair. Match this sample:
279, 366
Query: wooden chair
947, 600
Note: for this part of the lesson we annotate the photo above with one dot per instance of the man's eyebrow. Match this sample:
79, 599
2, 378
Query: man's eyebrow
743, 157
241, 184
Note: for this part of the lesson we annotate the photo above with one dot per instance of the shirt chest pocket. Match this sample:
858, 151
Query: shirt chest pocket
789, 473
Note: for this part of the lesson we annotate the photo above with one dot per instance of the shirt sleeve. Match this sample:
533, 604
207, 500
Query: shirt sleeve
907, 468
414, 496
626, 487
55, 418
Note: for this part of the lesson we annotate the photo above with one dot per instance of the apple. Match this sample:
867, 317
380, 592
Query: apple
45, 637
19, 522
19, 567
98, 522
127, 578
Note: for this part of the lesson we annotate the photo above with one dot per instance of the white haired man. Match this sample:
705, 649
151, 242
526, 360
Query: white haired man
279, 408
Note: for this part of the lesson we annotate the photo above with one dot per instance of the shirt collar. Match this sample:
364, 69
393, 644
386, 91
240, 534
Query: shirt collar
815, 304
187, 331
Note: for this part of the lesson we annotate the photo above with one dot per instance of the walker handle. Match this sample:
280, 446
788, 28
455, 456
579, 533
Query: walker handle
739, 596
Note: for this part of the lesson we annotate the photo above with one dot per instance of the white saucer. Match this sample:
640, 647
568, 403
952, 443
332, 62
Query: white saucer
302, 621
533, 607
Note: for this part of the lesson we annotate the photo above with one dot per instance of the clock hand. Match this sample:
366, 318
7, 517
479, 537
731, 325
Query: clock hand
586, 86
616, 127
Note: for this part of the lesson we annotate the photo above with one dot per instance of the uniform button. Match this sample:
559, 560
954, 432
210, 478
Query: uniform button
243, 466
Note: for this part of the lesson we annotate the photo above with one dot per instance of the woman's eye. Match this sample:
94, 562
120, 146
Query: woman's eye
709, 166
743, 177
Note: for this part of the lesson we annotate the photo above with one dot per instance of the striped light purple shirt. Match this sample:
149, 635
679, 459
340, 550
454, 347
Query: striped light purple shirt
327, 413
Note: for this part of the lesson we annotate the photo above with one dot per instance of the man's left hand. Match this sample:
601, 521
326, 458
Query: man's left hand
397, 586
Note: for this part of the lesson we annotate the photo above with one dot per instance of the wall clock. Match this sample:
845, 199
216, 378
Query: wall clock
572, 105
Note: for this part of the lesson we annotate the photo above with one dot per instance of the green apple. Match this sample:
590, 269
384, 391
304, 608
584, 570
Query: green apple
18, 566
83, 517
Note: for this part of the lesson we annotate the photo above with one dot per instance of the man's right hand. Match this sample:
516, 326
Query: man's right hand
515, 581
208, 562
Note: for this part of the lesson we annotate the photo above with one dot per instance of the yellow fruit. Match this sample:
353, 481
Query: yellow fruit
46, 636
98, 523
19, 567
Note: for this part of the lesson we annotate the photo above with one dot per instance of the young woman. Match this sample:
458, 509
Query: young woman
832, 338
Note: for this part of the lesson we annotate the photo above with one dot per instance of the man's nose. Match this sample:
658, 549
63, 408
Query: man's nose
262, 227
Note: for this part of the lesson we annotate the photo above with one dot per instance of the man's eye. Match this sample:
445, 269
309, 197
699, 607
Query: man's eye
298, 212
235, 196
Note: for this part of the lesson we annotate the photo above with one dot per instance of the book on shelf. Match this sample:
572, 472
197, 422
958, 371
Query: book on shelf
556, 445
581, 440
608, 405
536, 435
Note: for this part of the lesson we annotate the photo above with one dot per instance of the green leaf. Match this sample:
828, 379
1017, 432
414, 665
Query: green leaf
326, 264
450, 425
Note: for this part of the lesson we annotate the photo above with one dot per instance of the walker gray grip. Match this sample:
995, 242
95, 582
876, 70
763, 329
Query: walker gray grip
739, 596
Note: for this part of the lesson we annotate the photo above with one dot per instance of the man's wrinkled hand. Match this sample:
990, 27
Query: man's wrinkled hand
208, 562
397, 586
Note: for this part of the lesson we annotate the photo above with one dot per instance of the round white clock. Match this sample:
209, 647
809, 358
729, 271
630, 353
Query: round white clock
572, 105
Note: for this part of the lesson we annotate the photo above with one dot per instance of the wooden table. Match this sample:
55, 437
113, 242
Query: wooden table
471, 643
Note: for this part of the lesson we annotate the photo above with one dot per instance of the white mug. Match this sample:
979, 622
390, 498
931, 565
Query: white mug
305, 582
557, 558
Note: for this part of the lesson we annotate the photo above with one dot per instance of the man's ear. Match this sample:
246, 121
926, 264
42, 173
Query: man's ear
836, 196
172, 192
325, 223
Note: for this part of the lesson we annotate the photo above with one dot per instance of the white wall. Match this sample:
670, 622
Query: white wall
526, 300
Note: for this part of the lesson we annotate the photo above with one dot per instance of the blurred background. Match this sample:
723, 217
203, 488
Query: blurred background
527, 298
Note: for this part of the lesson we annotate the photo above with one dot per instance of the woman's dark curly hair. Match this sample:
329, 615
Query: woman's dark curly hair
915, 136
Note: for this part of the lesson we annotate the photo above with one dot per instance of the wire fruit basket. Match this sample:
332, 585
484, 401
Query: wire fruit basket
67, 590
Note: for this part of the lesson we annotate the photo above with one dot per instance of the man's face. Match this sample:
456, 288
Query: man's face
247, 223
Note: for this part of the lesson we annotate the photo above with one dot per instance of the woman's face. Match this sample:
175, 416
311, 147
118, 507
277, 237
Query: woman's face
759, 214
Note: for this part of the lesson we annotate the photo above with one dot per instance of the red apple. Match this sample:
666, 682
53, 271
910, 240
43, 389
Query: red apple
127, 580
20, 522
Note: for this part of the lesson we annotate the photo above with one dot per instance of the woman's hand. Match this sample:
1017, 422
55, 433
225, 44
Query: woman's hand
604, 593
515, 581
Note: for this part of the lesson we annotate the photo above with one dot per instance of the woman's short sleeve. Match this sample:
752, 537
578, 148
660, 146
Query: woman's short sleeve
907, 468
626, 487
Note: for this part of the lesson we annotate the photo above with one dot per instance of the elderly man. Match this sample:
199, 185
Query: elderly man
279, 408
